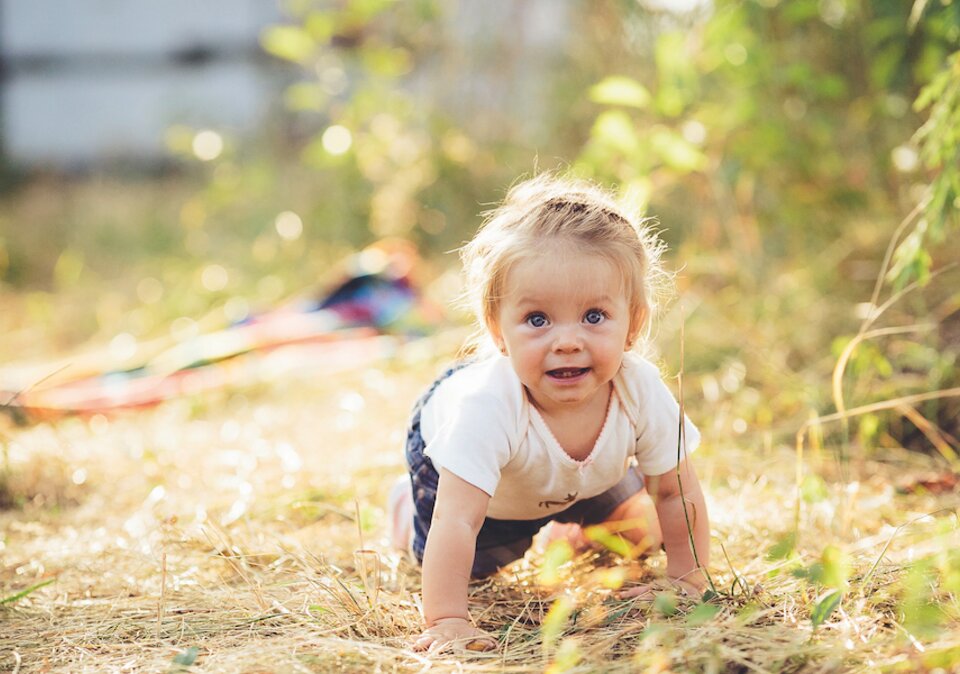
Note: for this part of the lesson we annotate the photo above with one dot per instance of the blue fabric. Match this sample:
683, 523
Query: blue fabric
499, 542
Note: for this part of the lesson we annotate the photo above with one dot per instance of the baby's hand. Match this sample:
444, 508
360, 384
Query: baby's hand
649, 591
454, 631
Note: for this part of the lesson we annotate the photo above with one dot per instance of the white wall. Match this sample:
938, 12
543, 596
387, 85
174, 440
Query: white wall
90, 81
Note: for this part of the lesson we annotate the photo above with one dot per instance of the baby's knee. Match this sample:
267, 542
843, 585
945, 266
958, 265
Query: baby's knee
638, 521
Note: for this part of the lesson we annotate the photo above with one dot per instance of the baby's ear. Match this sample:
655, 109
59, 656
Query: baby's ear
640, 319
493, 327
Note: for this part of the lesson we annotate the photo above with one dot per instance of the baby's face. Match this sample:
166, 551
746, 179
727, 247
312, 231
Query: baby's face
564, 323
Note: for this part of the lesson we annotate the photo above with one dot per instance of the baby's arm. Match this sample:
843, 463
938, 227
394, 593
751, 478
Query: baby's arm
447, 560
681, 565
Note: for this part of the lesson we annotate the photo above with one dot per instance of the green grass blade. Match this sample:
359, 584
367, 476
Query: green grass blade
23, 593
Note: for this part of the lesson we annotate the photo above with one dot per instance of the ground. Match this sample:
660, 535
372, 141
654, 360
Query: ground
245, 532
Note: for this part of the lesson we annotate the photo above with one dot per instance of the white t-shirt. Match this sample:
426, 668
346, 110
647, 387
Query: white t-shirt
480, 425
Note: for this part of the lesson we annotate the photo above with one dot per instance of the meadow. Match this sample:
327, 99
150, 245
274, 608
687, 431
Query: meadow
243, 529
799, 159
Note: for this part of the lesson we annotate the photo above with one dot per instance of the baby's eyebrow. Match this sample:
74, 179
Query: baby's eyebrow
602, 299
523, 301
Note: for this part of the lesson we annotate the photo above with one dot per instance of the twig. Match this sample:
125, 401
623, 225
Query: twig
875, 311
896, 531
887, 256
738, 579
682, 451
936, 435
356, 508
878, 406
163, 592
841, 366
33, 386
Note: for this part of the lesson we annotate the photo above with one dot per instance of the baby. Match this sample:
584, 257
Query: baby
561, 422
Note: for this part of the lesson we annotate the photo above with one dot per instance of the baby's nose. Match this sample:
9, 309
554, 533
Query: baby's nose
568, 339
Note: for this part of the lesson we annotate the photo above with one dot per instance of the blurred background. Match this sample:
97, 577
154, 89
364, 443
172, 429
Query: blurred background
169, 168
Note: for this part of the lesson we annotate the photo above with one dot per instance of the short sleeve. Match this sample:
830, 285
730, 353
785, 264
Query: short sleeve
658, 426
472, 439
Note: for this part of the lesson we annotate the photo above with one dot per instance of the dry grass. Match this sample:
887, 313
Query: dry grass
250, 528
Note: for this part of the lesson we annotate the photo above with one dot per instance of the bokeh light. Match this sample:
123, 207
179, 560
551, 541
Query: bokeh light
149, 290
337, 139
905, 158
207, 145
123, 346
214, 277
288, 225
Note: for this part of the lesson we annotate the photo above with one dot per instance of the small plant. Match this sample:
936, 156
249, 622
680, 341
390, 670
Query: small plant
17, 596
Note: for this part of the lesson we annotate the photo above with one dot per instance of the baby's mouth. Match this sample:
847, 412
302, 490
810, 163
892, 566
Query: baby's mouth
568, 372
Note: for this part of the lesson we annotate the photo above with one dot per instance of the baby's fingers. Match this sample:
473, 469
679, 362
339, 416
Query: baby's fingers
480, 644
647, 592
424, 642
433, 642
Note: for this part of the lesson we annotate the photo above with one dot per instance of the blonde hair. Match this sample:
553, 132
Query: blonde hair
564, 210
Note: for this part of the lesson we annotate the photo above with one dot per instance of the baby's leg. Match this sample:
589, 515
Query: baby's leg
636, 520
571, 532
400, 514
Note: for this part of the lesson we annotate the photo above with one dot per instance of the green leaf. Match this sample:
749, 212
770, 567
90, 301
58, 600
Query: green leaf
665, 603
886, 64
291, 43
923, 615
801, 11
388, 62
945, 659
320, 25
556, 620
620, 90
910, 259
670, 101
23, 593
187, 657
702, 613
813, 489
362, 11
783, 548
653, 631
932, 91
567, 657
616, 544
825, 606
836, 567
676, 152
831, 86
615, 129
868, 428
558, 553
370, 518
672, 55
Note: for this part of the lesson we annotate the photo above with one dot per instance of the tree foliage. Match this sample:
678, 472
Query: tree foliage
781, 119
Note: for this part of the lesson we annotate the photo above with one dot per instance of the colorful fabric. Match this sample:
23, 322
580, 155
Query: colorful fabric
359, 320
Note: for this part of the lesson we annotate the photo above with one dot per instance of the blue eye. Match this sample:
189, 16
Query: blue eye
594, 317
536, 320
